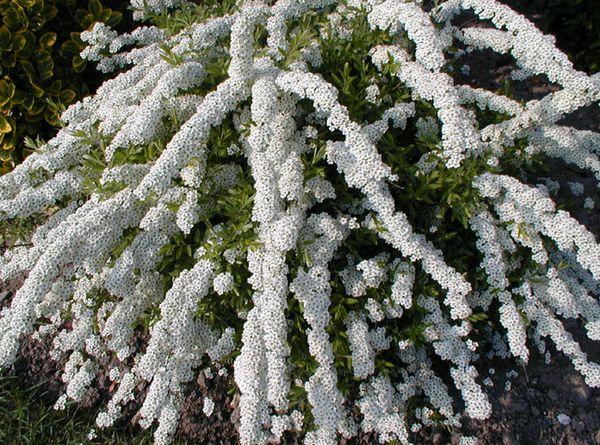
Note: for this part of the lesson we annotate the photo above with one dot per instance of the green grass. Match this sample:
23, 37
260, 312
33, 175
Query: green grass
28, 418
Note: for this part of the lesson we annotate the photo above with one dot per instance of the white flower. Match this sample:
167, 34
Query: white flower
371, 94
207, 406
223, 283
576, 188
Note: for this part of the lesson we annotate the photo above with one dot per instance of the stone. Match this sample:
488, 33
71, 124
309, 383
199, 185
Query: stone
563, 419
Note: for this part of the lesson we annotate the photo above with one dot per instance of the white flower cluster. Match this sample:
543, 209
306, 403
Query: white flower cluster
379, 404
577, 188
493, 242
519, 205
207, 406
404, 277
371, 94
312, 289
223, 283
103, 45
92, 271
363, 356
225, 345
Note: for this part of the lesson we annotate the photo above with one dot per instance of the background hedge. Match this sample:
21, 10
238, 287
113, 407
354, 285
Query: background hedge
41, 71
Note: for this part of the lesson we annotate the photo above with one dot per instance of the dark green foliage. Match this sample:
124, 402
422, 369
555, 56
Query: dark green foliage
41, 71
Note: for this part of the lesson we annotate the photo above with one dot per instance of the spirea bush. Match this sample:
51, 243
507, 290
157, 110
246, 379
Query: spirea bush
305, 191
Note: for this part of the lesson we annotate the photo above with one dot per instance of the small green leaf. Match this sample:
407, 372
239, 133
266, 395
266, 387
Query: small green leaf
47, 40
114, 19
49, 12
7, 89
4, 125
67, 96
19, 97
25, 3
95, 7
28, 68
78, 64
70, 48
79, 16
19, 42
15, 18
46, 68
5, 37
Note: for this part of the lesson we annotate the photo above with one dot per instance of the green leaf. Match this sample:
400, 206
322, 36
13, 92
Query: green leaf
79, 15
70, 48
78, 64
48, 39
37, 91
15, 18
19, 42
19, 97
36, 108
49, 12
67, 96
46, 67
25, 3
105, 16
114, 19
92, 161
5, 126
55, 87
7, 89
33, 144
479, 316
95, 7
88, 20
28, 68
5, 37
8, 60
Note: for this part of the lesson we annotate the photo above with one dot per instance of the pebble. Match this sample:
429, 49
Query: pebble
563, 419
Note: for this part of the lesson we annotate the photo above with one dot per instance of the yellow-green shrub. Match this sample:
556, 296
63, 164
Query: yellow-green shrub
40, 67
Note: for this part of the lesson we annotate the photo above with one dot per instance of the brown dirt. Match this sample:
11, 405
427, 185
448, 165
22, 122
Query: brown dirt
220, 426
527, 412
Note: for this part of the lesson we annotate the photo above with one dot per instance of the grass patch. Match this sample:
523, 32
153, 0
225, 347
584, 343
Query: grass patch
27, 417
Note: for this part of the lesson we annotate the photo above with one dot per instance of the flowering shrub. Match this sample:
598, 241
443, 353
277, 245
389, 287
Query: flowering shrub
304, 190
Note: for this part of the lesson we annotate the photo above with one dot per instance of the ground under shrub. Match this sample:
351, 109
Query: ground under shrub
306, 191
